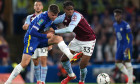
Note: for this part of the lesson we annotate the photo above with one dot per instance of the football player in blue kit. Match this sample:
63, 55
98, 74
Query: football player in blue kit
124, 45
34, 38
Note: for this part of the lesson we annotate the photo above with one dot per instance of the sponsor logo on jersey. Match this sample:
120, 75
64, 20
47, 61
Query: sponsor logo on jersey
121, 29
40, 22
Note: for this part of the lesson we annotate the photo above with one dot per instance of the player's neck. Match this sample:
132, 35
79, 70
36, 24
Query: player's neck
119, 21
38, 13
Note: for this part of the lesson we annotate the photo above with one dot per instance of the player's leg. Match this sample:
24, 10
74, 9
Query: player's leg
43, 53
29, 48
61, 44
24, 62
66, 62
87, 48
67, 66
36, 59
119, 61
129, 66
83, 70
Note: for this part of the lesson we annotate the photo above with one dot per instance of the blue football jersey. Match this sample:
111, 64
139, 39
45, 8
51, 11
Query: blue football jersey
41, 23
122, 31
38, 25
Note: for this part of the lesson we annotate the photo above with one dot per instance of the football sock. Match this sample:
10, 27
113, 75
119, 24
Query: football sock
37, 72
67, 67
64, 48
14, 73
130, 72
122, 68
83, 73
43, 73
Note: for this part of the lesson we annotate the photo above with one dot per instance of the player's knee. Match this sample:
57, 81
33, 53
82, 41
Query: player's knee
59, 38
36, 62
43, 62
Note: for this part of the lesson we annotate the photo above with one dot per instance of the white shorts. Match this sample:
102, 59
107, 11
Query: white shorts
86, 47
40, 52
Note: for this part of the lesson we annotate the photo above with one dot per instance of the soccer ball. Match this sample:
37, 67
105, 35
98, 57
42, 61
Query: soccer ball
103, 78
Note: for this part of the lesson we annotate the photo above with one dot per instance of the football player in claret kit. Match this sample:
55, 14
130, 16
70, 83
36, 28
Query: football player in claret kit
40, 54
124, 45
84, 40
35, 39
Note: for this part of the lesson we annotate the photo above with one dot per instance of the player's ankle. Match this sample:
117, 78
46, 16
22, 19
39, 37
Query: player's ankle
71, 75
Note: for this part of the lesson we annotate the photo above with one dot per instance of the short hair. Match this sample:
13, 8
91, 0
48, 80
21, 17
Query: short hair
118, 11
38, 1
67, 3
54, 8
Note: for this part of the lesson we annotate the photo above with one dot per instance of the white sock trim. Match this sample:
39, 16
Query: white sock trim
71, 75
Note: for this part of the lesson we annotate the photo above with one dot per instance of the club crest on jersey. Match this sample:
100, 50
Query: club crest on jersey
31, 48
74, 18
65, 21
121, 29
40, 22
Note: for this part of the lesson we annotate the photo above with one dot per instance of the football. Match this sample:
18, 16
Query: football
103, 78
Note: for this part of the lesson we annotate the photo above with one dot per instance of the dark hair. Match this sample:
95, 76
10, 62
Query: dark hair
54, 8
118, 11
67, 3
38, 1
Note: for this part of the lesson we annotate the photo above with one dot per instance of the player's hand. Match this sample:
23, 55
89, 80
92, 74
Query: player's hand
49, 47
126, 51
25, 26
49, 35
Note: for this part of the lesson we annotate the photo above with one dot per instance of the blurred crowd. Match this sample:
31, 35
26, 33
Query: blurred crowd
99, 14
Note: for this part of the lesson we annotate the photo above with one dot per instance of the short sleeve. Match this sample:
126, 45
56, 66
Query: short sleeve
27, 21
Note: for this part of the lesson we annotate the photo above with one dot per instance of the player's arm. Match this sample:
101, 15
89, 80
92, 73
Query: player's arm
26, 24
74, 22
129, 37
34, 30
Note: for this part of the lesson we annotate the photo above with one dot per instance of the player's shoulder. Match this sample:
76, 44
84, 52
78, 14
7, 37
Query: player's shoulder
124, 22
76, 13
115, 23
62, 16
28, 16
43, 14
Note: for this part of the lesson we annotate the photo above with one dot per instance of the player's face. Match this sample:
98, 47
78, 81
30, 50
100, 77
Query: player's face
117, 16
69, 10
52, 16
38, 7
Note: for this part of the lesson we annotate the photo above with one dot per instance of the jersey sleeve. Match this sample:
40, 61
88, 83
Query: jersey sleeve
27, 21
75, 19
59, 19
128, 29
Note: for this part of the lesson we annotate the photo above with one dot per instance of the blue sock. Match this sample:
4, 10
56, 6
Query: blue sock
83, 73
67, 67
43, 73
37, 72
